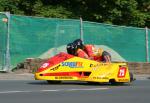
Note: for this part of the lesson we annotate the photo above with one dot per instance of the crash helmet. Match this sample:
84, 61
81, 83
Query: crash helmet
71, 48
78, 43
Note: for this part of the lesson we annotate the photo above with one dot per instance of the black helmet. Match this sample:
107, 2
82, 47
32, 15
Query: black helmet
78, 43
71, 48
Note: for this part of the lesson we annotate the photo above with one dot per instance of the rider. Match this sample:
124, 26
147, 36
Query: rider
80, 49
76, 49
71, 47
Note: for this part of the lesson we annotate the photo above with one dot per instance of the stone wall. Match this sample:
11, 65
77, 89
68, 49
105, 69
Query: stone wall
30, 65
139, 68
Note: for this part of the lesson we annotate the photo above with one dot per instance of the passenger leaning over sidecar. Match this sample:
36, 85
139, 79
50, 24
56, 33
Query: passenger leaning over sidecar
90, 52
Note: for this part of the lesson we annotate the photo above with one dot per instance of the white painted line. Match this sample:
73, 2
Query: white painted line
51, 90
83, 89
87, 89
6, 92
54, 90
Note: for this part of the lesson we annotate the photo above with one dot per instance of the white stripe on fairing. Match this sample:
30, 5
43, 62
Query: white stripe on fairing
53, 90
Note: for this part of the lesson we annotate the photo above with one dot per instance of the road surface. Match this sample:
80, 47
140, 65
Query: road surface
31, 91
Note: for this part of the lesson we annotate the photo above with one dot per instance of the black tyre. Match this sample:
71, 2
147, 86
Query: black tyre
113, 82
53, 82
93, 83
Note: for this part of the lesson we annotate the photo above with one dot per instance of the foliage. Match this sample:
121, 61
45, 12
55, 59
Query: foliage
119, 12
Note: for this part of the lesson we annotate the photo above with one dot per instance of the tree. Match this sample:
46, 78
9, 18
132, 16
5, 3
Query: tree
11, 6
119, 12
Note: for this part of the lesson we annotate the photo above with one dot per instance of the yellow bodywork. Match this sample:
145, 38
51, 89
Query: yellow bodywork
87, 70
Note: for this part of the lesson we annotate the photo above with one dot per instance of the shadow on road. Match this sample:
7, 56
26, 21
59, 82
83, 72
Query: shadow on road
76, 83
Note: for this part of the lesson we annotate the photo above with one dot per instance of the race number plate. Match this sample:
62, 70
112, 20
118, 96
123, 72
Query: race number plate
122, 72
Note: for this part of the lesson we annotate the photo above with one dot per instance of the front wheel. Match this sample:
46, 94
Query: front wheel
53, 82
93, 83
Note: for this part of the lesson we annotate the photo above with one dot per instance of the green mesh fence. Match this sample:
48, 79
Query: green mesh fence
32, 37
129, 42
149, 44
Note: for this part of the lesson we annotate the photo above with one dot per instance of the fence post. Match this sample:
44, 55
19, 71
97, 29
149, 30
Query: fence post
81, 30
7, 65
147, 46
56, 39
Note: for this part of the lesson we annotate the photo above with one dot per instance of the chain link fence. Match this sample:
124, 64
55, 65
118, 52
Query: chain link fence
24, 37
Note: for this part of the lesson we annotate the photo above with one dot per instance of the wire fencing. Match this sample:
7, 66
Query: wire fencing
24, 37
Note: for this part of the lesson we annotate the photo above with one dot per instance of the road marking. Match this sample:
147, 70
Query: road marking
74, 89
6, 92
87, 89
51, 90
54, 90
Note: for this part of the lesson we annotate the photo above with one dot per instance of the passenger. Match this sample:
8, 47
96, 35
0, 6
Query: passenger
81, 53
106, 57
90, 52
97, 54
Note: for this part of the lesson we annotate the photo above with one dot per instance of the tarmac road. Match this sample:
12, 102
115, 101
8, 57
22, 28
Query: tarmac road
31, 91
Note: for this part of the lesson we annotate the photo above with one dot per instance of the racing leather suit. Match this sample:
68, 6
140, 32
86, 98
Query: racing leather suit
97, 54
82, 54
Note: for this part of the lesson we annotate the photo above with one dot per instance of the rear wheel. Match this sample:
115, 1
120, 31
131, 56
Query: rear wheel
53, 82
113, 82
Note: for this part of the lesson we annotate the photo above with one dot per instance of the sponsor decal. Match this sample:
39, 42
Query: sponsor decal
73, 64
122, 72
123, 80
55, 68
94, 65
100, 64
64, 77
45, 65
100, 77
